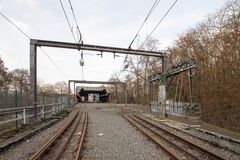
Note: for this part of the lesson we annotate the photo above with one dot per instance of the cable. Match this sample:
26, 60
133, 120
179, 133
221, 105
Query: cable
159, 22
80, 35
71, 28
4, 16
149, 13
126, 66
54, 63
69, 25
14, 25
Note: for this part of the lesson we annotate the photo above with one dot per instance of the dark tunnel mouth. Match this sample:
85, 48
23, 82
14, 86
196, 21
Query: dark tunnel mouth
100, 96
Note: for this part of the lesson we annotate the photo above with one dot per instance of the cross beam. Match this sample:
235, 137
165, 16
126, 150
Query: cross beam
95, 48
95, 82
158, 76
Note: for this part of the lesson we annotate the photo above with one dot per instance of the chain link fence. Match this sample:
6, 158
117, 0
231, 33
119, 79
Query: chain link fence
13, 98
15, 108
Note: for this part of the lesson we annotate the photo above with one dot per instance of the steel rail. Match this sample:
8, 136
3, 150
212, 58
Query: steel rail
39, 153
167, 150
188, 153
78, 153
59, 153
211, 153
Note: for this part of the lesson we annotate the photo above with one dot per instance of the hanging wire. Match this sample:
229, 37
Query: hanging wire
168, 11
19, 29
79, 34
145, 20
156, 2
75, 19
26, 35
69, 25
54, 63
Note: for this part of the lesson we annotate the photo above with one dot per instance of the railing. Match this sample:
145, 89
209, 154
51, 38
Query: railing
175, 108
21, 115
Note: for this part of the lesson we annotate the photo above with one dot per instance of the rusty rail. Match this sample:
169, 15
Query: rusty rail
46, 146
59, 153
84, 128
177, 149
154, 138
210, 153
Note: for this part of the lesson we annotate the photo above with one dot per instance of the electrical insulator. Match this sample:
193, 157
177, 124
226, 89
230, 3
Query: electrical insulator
81, 61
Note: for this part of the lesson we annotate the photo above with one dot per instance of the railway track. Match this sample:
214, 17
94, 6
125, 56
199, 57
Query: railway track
59, 143
176, 146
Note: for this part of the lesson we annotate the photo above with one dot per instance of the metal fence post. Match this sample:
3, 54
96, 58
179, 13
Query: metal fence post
24, 116
43, 111
53, 109
16, 104
69, 90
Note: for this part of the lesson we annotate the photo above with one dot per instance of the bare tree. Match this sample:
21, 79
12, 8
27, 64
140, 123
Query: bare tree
5, 77
61, 87
20, 81
214, 44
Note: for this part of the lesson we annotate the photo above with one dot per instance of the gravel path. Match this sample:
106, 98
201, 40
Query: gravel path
112, 137
25, 148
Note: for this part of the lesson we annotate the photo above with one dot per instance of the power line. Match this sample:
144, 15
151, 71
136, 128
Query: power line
19, 29
69, 25
4, 16
54, 63
125, 60
79, 32
149, 13
136, 35
80, 35
159, 22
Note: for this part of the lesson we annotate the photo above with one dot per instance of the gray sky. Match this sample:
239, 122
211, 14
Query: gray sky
102, 22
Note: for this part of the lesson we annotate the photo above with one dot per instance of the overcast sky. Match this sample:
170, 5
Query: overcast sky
102, 22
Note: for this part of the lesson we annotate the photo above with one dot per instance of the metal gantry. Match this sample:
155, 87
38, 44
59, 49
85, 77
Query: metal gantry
34, 43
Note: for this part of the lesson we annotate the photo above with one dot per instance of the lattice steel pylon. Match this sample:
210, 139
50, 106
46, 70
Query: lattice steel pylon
166, 78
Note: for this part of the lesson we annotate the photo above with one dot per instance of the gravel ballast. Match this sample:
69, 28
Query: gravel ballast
110, 136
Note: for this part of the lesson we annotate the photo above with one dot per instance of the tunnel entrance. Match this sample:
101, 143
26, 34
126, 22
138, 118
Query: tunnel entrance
93, 94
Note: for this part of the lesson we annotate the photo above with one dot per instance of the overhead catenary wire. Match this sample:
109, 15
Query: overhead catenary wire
69, 25
75, 19
163, 17
156, 2
145, 20
71, 28
80, 35
80, 40
54, 63
19, 29
26, 35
